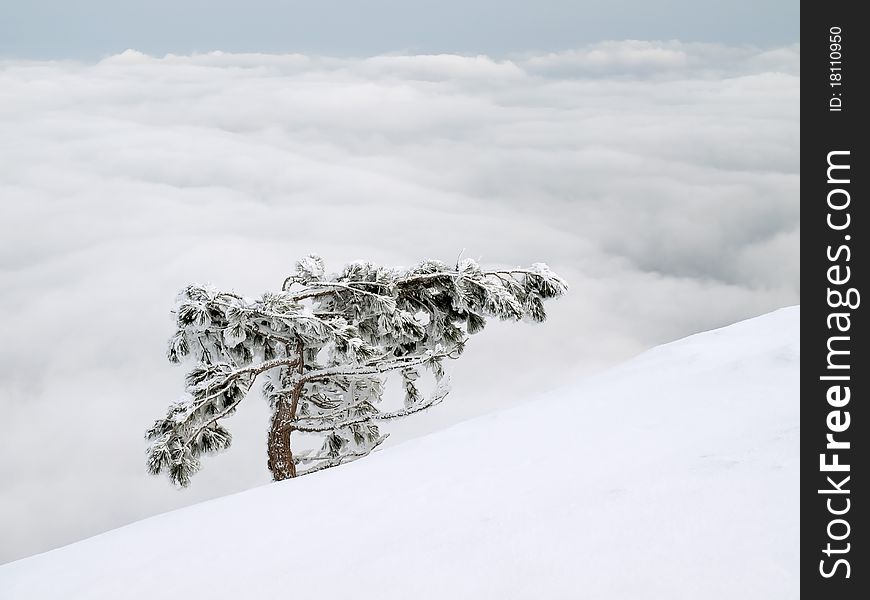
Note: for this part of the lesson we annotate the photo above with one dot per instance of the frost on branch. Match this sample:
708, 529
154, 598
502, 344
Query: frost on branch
323, 345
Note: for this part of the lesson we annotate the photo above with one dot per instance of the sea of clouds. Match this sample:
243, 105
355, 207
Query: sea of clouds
659, 178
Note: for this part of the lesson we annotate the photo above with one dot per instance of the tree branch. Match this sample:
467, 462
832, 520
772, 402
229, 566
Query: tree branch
332, 414
372, 369
379, 416
213, 420
301, 316
297, 389
225, 385
375, 416
334, 461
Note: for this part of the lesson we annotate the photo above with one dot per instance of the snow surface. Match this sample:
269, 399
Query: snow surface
672, 476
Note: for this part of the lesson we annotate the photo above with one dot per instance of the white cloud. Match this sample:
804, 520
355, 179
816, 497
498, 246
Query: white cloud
610, 57
659, 178
664, 59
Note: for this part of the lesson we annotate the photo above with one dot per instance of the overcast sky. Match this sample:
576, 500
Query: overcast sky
90, 29
659, 177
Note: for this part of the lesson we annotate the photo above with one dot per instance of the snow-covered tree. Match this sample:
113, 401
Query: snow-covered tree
323, 345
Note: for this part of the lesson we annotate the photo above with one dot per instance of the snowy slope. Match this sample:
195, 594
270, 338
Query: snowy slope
672, 476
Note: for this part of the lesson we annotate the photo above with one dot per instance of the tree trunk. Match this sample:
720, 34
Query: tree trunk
280, 455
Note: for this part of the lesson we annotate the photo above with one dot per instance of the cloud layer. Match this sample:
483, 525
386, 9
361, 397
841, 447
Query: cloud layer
660, 178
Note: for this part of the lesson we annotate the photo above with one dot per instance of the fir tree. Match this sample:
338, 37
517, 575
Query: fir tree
323, 345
